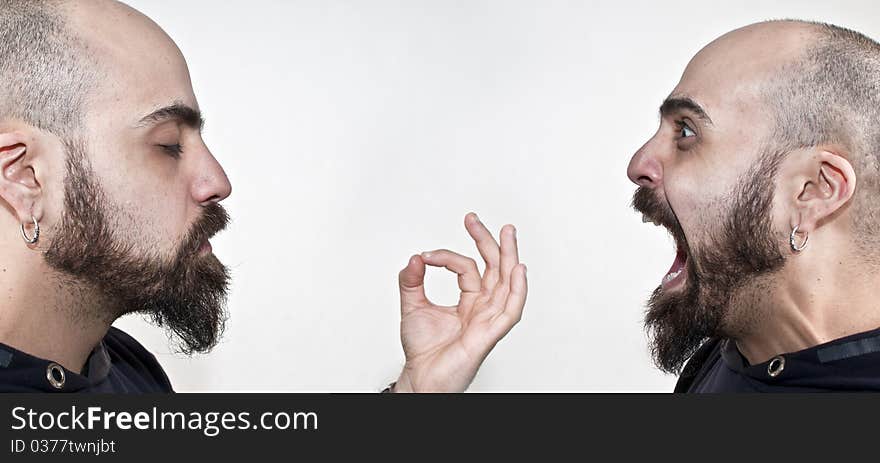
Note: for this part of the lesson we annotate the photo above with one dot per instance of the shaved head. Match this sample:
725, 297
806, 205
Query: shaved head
771, 136
45, 68
101, 99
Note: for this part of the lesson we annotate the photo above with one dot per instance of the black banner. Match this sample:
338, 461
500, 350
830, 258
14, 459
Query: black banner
230, 427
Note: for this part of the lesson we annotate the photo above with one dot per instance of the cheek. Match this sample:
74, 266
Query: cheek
699, 202
148, 199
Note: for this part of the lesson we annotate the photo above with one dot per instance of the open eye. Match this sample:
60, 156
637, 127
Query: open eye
684, 131
173, 150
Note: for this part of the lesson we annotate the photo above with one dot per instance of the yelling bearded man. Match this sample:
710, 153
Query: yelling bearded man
110, 198
766, 171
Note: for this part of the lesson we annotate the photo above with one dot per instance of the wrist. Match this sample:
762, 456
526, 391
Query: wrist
403, 384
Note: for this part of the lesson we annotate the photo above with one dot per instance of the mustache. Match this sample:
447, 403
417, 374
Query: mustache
213, 220
646, 202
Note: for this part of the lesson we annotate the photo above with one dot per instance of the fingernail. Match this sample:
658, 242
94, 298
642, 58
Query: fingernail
426, 255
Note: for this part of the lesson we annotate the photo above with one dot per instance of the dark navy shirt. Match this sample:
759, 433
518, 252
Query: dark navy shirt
119, 364
851, 363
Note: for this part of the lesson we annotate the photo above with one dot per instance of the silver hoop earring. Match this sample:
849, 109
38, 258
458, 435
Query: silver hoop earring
794, 246
36, 232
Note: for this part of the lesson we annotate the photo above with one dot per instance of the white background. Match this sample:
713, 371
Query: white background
358, 133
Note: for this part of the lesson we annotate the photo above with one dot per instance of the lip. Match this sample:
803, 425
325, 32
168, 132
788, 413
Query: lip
205, 248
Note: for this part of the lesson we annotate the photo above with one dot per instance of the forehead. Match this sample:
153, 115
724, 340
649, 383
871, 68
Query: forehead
727, 76
140, 67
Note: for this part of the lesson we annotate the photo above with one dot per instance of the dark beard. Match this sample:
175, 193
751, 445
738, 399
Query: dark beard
743, 248
187, 295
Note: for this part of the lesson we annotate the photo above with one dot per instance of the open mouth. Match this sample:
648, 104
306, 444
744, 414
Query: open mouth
678, 272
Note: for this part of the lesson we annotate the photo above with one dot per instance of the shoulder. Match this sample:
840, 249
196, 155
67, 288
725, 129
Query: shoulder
696, 367
124, 350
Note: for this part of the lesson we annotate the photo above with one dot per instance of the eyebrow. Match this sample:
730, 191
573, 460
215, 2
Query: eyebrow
185, 114
674, 104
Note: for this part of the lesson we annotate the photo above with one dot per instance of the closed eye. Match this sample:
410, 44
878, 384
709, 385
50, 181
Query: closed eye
173, 150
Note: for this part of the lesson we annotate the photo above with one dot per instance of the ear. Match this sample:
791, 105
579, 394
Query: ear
827, 183
19, 187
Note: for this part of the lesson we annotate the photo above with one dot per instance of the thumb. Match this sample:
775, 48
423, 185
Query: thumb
412, 284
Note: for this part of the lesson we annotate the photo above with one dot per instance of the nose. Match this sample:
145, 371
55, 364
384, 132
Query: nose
644, 168
211, 184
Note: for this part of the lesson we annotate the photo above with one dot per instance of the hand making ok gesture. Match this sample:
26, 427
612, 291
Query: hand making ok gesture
445, 345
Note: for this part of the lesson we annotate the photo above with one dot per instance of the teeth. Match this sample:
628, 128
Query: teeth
672, 276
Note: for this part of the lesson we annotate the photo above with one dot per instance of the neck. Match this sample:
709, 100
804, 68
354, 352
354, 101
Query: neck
45, 315
811, 303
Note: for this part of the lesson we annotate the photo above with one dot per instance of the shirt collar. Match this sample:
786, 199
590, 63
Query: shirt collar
46, 375
859, 348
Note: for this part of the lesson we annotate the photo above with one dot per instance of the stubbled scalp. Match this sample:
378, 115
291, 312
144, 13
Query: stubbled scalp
46, 70
830, 94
